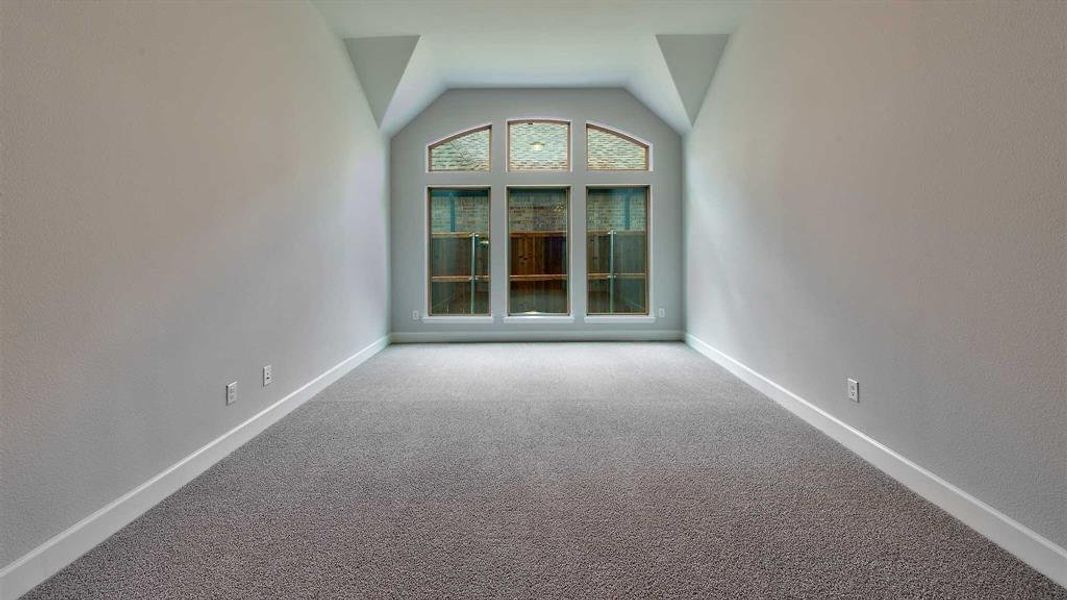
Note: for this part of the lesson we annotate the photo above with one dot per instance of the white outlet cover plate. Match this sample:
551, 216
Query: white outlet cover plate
853, 390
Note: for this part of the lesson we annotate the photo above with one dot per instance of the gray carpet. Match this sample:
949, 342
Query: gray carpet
544, 471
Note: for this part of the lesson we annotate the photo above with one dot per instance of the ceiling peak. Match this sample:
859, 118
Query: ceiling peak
380, 63
692, 60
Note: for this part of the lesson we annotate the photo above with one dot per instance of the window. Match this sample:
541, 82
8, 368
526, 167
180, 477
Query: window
537, 248
617, 250
612, 151
466, 151
539, 145
459, 251
537, 217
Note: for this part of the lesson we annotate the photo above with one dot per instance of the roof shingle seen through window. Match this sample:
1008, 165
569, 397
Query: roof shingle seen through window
467, 151
610, 151
539, 146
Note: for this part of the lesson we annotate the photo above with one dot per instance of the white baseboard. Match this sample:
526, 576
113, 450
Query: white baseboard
1026, 544
523, 335
42, 562
45, 560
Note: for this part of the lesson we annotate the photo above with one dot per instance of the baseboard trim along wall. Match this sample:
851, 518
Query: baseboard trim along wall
47, 559
523, 335
1026, 544
44, 561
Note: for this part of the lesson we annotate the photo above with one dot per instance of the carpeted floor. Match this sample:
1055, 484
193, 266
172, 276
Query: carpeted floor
544, 471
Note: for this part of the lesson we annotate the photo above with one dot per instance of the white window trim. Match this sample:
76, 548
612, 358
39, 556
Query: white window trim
650, 317
540, 319
619, 319
426, 316
458, 318
627, 178
569, 316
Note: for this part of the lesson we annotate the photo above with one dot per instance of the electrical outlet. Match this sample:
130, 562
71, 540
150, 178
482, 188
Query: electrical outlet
267, 377
231, 393
853, 390
414, 315
662, 312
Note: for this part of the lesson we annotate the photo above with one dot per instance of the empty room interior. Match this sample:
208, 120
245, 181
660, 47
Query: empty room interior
516, 299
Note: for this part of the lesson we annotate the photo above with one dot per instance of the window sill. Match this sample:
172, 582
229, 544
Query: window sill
458, 319
616, 319
539, 319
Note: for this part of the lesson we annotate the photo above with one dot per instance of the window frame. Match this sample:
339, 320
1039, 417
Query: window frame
627, 136
430, 147
648, 315
428, 250
570, 144
576, 186
650, 289
565, 317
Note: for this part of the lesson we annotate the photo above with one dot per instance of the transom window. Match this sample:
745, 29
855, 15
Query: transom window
466, 151
539, 145
608, 150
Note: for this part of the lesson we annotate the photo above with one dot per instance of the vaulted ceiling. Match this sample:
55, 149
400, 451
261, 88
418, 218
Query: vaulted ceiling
407, 52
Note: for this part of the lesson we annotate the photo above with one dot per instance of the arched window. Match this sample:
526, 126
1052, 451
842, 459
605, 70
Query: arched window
464, 151
538, 181
608, 150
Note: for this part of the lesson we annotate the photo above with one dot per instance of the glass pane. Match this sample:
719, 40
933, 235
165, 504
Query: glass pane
617, 250
611, 151
459, 251
539, 146
537, 227
467, 151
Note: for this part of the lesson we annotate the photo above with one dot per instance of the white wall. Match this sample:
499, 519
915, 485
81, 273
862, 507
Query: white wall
457, 110
190, 191
877, 191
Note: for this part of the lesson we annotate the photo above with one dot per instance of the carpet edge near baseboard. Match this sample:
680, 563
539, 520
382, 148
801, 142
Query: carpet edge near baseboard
1027, 545
47, 559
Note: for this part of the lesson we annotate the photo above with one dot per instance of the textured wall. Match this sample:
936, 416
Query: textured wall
877, 191
458, 110
190, 191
